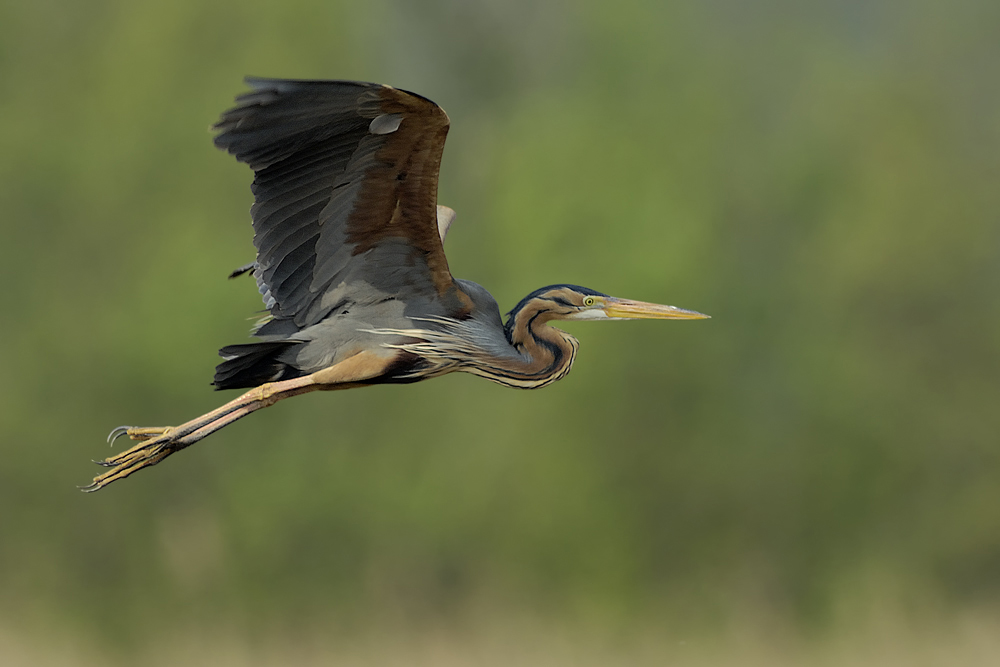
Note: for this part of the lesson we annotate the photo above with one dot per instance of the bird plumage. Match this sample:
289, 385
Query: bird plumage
351, 265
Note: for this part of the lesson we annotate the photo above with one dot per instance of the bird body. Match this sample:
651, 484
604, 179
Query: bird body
351, 266
528, 353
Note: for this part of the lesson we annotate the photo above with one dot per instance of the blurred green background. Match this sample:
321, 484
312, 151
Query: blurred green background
811, 477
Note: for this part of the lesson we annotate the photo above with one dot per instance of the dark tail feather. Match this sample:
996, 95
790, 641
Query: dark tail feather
253, 364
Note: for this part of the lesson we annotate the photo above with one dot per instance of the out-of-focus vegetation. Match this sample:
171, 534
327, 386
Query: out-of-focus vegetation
818, 461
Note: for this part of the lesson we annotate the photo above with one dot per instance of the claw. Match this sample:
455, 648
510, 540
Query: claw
117, 432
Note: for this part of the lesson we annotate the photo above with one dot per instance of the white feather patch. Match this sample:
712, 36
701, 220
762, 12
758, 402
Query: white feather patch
387, 123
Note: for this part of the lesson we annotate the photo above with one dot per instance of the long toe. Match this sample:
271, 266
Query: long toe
123, 470
142, 433
151, 438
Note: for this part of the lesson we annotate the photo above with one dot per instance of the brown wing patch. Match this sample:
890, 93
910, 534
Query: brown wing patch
399, 195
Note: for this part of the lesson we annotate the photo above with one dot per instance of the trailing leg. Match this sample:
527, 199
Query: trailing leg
157, 443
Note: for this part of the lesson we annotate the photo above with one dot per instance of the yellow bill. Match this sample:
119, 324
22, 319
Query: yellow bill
640, 310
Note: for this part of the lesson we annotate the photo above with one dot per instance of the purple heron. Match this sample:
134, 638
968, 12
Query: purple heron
351, 265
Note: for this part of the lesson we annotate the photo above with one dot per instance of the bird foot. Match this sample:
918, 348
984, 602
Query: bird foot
156, 443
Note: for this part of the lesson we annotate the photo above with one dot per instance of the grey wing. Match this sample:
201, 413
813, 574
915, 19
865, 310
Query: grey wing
345, 189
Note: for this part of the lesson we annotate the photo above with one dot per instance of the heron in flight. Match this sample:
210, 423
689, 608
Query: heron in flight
351, 264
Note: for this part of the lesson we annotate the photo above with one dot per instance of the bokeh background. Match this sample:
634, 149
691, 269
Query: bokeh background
811, 477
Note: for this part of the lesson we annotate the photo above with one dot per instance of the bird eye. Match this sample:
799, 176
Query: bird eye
589, 301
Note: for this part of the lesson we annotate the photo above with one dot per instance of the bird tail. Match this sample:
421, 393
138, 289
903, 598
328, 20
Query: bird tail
253, 364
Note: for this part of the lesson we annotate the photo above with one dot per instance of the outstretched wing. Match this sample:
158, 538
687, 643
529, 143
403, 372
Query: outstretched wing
345, 189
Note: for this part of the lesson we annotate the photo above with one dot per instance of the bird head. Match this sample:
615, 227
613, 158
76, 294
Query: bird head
572, 302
